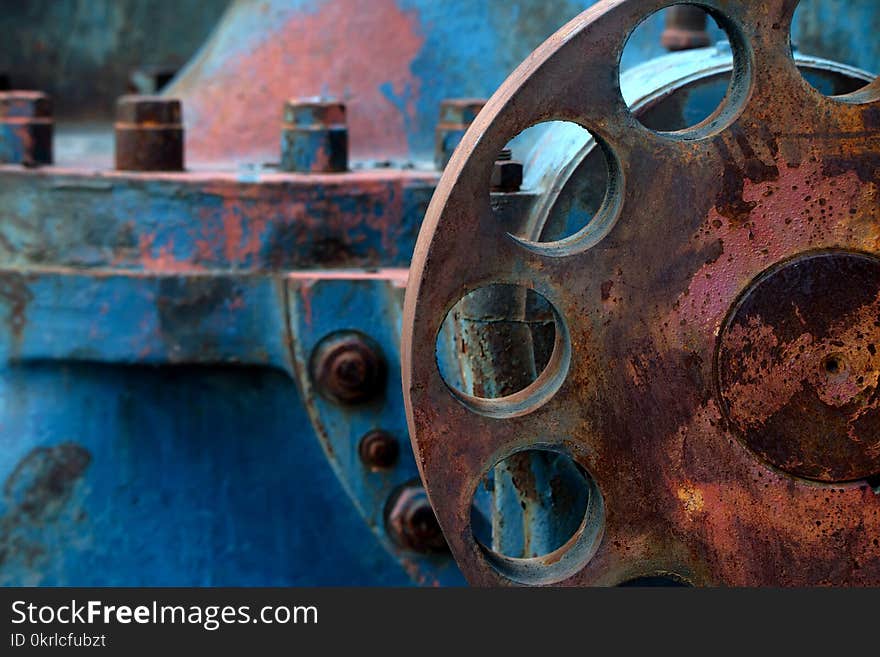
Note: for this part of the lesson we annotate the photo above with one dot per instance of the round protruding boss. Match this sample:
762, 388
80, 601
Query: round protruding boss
799, 368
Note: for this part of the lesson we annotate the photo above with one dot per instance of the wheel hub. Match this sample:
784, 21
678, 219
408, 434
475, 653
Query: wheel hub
718, 452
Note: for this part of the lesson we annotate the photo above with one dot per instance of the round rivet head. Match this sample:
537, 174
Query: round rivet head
348, 368
379, 450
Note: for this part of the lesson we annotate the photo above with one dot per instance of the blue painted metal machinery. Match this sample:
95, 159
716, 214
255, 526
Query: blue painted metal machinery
161, 416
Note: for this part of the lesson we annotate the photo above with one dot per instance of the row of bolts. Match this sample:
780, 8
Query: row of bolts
149, 135
347, 368
314, 133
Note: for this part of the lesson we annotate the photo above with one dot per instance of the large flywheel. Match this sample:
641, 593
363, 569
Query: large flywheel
712, 366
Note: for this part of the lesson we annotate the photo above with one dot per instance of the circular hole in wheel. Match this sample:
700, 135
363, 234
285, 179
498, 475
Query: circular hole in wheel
534, 170
555, 188
501, 350
538, 516
705, 108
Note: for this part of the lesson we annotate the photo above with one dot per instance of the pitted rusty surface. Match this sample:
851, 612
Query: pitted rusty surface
798, 367
719, 253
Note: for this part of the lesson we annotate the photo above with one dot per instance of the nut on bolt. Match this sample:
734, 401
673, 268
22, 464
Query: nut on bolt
149, 134
379, 450
411, 523
507, 174
456, 116
348, 367
26, 127
314, 136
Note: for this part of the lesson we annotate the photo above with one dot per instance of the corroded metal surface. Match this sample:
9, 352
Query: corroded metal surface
661, 301
798, 366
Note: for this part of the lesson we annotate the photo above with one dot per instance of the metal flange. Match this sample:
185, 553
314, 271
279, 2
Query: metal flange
715, 371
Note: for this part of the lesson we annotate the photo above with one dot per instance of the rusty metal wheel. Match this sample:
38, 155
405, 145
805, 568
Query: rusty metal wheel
714, 368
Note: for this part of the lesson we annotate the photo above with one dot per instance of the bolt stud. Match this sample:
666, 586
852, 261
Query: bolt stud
149, 134
26, 127
685, 28
314, 136
507, 174
456, 116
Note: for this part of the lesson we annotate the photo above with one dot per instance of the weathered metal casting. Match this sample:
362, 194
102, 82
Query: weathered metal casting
159, 325
676, 382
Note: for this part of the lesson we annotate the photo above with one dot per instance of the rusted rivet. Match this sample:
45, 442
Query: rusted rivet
149, 134
314, 136
456, 116
25, 128
411, 523
379, 450
685, 28
348, 367
507, 174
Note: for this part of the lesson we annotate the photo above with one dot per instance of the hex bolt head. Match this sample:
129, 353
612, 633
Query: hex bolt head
456, 116
149, 134
685, 28
314, 136
507, 174
26, 127
411, 523
348, 368
379, 450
